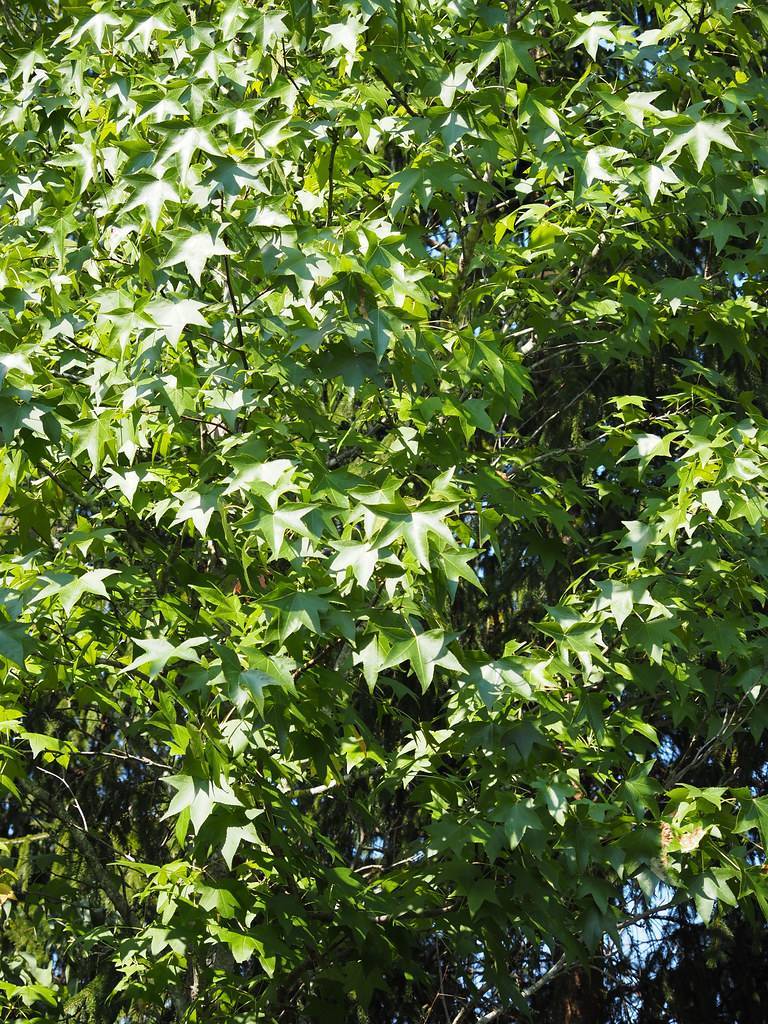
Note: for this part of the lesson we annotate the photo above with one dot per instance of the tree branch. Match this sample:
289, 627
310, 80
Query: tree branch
558, 968
468, 251
331, 164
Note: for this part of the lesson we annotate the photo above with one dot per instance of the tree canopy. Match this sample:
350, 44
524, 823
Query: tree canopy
384, 477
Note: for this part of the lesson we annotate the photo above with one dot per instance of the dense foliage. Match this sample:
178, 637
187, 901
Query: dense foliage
384, 473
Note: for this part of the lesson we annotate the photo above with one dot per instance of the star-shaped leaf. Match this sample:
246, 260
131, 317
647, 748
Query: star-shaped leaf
158, 651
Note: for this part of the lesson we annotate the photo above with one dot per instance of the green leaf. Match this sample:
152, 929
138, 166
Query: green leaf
194, 249
518, 820
253, 682
152, 196
699, 139
12, 641
159, 651
199, 796
425, 652
639, 536
91, 582
173, 317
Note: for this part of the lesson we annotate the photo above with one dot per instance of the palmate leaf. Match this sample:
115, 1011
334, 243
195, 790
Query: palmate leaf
199, 796
654, 176
183, 143
90, 583
197, 507
158, 651
253, 681
699, 139
373, 659
194, 249
425, 652
416, 528
274, 526
68, 591
174, 317
151, 195
599, 28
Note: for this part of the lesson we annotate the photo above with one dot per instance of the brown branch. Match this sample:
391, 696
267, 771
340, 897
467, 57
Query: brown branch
469, 244
236, 311
395, 92
331, 164
233, 298
120, 756
558, 968
79, 498
514, 19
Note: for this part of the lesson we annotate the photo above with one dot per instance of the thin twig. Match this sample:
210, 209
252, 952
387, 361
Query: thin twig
83, 841
233, 298
468, 245
554, 971
331, 164
79, 498
120, 756
72, 793
440, 981
560, 412
514, 19
236, 311
395, 92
